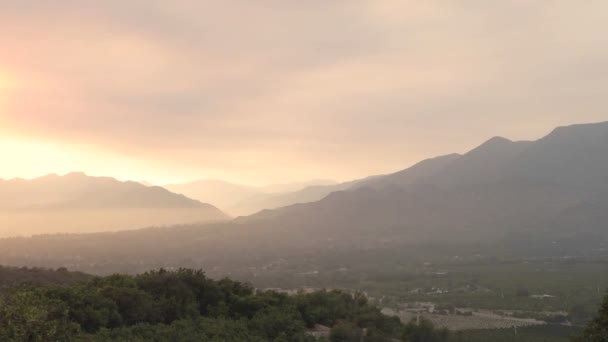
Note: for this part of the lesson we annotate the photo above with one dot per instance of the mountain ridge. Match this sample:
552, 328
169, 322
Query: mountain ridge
77, 202
241, 199
512, 198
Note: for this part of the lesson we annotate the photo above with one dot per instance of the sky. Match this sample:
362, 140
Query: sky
271, 91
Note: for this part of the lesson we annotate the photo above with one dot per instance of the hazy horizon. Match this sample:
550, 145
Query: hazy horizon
174, 92
163, 184
282, 183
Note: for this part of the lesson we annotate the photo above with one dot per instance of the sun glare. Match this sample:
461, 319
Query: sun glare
27, 159
5, 80
6, 84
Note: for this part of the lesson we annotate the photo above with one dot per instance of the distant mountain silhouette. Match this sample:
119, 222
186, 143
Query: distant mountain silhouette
495, 189
221, 193
421, 172
295, 186
238, 199
61, 203
267, 201
535, 198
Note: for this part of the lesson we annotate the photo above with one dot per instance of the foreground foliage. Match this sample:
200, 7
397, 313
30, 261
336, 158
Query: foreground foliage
597, 329
15, 276
185, 305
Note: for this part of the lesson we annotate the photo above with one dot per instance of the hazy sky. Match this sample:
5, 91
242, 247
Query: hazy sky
279, 90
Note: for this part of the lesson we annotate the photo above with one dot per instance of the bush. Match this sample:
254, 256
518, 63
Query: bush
183, 305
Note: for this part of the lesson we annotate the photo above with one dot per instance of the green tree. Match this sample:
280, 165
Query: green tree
346, 332
28, 316
597, 329
423, 332
579, 314
184, 305
278, 324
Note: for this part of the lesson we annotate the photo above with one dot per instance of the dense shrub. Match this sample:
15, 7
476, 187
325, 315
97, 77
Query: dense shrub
185, 305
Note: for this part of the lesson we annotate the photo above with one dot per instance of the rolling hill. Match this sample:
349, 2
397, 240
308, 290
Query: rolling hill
80, 203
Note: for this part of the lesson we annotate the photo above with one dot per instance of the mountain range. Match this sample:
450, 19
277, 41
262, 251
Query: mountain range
80, 203
534, 198
238, 199
497, 189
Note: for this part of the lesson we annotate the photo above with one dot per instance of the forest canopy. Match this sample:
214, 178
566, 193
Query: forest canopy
185, 305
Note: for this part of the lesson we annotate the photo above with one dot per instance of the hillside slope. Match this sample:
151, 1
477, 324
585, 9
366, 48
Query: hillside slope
79, 203
534, 198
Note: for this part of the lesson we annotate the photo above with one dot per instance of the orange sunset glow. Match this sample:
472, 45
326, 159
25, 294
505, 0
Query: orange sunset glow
304, 170
183, 91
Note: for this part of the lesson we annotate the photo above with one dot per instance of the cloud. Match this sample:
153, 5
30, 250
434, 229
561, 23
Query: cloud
244, 88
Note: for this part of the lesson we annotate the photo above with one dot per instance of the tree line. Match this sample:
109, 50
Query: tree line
186, 305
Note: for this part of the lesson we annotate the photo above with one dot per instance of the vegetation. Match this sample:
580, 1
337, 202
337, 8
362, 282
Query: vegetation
541, 333
186, 305
424, 331
597, 329
14, 276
